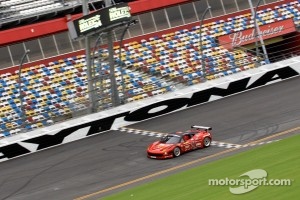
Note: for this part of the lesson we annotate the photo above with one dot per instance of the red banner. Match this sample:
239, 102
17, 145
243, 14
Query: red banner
248, 36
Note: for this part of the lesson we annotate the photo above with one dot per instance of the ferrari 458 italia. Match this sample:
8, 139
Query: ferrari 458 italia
174, 144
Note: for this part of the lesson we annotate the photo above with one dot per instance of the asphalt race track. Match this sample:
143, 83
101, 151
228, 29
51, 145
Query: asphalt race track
93, 164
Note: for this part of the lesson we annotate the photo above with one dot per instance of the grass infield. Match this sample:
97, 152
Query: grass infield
281, 160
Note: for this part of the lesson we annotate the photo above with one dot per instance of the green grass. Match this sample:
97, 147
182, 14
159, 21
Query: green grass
280, 159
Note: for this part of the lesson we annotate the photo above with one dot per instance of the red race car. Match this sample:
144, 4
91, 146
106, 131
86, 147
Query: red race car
174, 144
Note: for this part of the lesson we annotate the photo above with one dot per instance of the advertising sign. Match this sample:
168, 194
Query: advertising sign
99, 20
248, 36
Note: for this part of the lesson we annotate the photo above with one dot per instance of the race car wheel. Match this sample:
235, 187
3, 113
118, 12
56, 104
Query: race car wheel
176, 151
206, 142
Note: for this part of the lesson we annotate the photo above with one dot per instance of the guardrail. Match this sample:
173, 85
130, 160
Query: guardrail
134, 112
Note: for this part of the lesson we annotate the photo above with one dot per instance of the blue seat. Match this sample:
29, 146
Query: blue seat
44, 122
10, 101
37, 95
49, 97
149, 47
6, 133
14, 106
28, 127
152, 70
55, 112
33, 107
46, 115
5, 119
136, 84
69, 92
190, 82
19, 122
158, 84
3, 127
59, 94
199, 73
62, 69
30, 73
4, 84
169, 88
130, 92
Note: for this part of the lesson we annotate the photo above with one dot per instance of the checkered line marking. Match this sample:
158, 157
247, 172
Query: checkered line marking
157, 134
141, 132
213, 143
260, 143
225, 145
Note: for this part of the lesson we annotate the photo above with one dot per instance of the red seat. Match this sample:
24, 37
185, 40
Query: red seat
79, 89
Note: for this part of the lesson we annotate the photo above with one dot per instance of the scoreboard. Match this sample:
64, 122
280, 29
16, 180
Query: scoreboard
100, 20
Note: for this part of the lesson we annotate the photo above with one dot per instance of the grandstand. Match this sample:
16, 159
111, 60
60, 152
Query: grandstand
20, 12
55, 89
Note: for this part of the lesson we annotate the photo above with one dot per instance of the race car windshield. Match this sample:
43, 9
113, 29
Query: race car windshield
170, 139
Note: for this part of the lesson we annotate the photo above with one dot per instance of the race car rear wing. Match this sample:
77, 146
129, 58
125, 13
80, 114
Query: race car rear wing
201, 127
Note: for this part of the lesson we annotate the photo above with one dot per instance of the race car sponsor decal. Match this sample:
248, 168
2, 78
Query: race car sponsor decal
170, 105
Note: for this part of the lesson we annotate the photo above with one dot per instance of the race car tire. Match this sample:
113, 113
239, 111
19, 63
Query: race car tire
176, 151
206, 142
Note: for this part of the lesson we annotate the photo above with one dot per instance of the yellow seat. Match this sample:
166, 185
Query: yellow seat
210, 77
67, 110
135, 98
39, 125
29, 113
9, 125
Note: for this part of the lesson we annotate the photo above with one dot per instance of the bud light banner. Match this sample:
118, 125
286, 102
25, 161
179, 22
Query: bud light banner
248, 36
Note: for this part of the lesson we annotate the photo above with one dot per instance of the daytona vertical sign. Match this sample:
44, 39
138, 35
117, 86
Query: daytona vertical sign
248, 36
